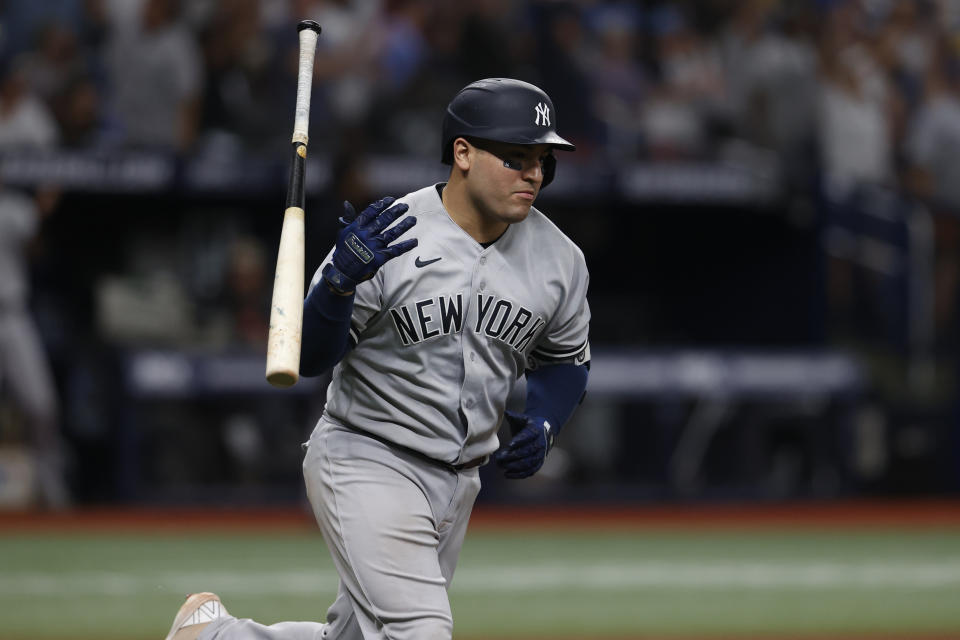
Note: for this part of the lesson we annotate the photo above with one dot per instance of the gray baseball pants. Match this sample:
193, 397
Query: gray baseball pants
25, 373
394, 524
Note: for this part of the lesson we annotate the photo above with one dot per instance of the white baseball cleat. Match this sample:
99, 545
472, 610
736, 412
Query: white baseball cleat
197, 612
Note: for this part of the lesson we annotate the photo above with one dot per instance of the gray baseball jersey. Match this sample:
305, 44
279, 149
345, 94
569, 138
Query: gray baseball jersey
442, 333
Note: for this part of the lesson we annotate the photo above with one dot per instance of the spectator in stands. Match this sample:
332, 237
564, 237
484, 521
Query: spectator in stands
690, 80
619, 84
770, 70
239, 100
909, 36
122, 15
248, 293
403, 120
24, 19
855, 112
156, 79
932, 149
345, 70
25, 121
565, 57
740, 40
947, 14
933, 141
78, 112
396, 120
690, 66
691, 75
690, 91
93, 25
54, 60
404, 43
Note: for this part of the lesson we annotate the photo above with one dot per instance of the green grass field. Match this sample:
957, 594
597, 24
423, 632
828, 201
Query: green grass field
549, 583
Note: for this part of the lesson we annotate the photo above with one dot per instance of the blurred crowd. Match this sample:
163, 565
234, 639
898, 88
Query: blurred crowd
868, 86
831, 94
834, 94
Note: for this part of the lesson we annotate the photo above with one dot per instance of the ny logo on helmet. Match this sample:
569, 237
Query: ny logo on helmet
543, 112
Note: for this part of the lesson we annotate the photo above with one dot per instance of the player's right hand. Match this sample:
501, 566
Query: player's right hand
363, 246
531, 442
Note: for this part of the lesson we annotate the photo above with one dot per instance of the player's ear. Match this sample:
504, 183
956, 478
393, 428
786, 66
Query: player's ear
462, 154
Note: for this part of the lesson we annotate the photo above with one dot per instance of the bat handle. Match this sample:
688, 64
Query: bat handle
308, 31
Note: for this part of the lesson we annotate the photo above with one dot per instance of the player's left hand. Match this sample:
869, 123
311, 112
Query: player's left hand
363, 246
532, 440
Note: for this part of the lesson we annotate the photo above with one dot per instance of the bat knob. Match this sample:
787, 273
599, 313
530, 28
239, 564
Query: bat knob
309, 24
283, 378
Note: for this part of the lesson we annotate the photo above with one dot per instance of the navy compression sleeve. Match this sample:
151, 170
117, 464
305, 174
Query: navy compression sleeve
554, 391
326, 329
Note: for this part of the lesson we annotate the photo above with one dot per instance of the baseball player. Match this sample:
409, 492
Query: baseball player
427, 335
24, 369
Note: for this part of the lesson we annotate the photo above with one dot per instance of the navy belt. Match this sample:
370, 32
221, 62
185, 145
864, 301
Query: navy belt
469, 464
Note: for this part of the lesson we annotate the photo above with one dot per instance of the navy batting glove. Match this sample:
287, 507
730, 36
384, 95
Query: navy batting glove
363, 246
532, 440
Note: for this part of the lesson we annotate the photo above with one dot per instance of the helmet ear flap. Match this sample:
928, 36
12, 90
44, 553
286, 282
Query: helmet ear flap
549, 169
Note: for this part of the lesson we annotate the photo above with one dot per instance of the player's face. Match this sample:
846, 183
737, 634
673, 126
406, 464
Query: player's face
505, 178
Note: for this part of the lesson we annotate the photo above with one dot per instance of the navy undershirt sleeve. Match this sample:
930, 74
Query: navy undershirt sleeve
554, 391
326, 330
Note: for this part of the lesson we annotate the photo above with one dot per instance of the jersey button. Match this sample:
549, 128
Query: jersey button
483, 261
469, 403
473, 356
482, 285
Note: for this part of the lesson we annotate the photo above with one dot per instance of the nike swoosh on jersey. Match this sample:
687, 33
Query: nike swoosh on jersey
423, 263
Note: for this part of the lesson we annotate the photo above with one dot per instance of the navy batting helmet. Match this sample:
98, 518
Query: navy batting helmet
503, 110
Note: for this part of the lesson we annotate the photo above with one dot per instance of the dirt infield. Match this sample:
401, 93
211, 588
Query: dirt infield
824, 515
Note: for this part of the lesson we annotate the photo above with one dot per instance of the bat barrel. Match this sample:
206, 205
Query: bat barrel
286, 307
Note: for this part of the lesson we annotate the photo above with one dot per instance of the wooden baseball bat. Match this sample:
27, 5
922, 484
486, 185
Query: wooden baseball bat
286, 309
